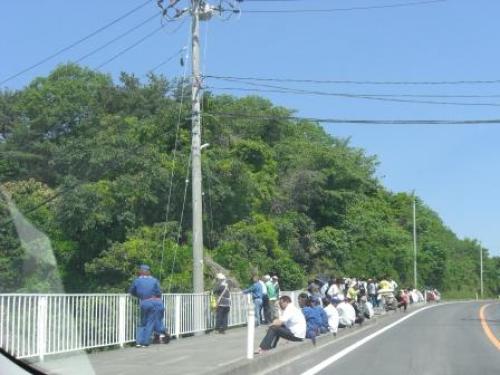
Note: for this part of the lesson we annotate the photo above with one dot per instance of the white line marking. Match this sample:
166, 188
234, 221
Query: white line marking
327, 362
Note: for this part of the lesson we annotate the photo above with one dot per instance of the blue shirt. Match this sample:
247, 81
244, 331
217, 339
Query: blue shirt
324, 317
313, 321
256, 290
145, 287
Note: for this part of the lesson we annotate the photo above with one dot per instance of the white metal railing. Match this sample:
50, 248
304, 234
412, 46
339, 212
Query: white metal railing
35, 325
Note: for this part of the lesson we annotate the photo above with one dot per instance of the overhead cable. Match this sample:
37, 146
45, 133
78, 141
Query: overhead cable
367, 97
331, 10
293, 91
355, 121
135, 44
355, 82
122, 35
77, 42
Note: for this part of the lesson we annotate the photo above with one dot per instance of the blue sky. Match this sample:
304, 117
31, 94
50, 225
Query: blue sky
453, 168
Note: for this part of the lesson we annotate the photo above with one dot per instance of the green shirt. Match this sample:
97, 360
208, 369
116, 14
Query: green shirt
271, 290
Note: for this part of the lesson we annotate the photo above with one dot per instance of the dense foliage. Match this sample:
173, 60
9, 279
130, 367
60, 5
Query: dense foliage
99, 170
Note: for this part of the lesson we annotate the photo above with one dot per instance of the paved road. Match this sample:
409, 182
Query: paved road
444, 339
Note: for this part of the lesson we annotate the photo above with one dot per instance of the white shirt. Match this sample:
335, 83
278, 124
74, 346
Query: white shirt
333, 290
294, 320
333, 318
347, 315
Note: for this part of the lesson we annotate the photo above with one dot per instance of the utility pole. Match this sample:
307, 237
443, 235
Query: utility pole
414, 241
198, 286
200, 10
481, 267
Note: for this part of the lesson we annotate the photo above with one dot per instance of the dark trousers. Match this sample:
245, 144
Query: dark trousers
221, 318
273, 335
266, 317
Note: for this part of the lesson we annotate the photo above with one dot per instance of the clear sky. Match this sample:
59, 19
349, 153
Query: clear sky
453, 168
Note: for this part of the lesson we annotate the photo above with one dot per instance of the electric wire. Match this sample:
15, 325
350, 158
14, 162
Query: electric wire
367, 97
327, 81
74, 44
122, 35
135, 44
355, 121
331, 10
174, 159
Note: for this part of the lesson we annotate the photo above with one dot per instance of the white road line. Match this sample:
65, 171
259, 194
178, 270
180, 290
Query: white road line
327, 362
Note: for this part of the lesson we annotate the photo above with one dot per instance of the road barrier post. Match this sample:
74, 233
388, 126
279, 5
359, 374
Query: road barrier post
250, 327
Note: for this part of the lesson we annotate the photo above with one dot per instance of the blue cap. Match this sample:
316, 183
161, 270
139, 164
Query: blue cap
144, 267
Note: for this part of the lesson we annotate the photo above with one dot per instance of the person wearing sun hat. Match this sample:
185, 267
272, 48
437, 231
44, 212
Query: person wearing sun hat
147, 289
223, 294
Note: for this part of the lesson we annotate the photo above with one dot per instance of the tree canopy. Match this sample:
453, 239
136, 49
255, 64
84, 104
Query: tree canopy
102, 169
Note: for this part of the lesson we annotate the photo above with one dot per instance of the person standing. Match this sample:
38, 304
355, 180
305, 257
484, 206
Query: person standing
264, 314
223, 295
147, 289
372, 292
271, 312
256, 290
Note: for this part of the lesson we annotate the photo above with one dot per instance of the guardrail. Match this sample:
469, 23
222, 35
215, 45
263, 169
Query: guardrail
35, 325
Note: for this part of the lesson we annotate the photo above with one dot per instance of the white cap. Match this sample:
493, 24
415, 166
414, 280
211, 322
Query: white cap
220, 276
267, 277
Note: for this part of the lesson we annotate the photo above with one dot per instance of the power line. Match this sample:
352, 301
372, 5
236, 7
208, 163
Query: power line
355, 121
355, 82
74, 44
122, 35
135, 44
366, 97
292, 91
331, 10
167, 60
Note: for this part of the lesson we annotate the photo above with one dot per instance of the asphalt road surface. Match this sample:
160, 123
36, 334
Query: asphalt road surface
443, 339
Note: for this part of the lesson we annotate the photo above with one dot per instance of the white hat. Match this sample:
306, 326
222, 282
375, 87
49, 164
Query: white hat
220, 276
267, 277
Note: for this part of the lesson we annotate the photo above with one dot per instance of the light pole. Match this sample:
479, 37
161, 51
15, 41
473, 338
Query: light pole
414, 241
481, 266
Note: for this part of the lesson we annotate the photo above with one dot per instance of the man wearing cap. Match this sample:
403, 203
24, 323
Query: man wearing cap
221, 290
147, 289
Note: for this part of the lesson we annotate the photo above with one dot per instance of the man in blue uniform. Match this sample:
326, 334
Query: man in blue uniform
147, 289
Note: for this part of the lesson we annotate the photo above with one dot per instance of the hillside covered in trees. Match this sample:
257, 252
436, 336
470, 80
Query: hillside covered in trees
100, 169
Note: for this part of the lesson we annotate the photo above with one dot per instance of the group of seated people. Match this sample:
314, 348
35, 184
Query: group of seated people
312, 318
324, 310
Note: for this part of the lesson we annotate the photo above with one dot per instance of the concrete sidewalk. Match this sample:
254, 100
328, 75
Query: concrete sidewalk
210, 353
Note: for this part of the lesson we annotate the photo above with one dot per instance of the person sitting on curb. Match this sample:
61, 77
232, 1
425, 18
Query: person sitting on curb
332, 315
318, 306
403, 299
291, 325
347, 314
313, 317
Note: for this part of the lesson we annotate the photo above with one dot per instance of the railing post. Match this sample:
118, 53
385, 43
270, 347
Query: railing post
42, 326
250, 327
177, 315
122, 308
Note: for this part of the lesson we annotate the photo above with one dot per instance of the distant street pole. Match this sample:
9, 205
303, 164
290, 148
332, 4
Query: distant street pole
481, 267
414, 242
